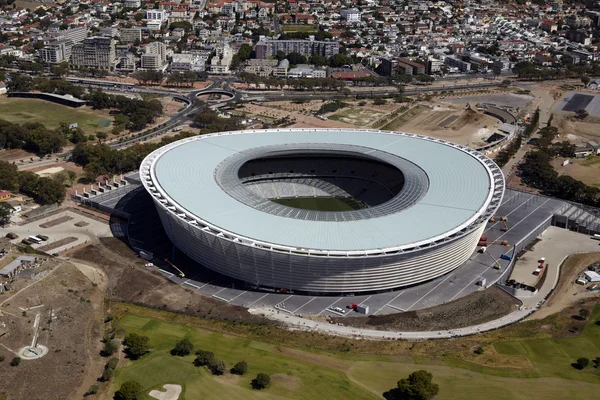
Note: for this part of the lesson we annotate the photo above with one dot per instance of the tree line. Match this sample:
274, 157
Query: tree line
133, 114
536, 171
294, 83
42, 190
511, 149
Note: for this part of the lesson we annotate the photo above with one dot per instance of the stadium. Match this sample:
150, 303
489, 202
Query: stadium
323, 211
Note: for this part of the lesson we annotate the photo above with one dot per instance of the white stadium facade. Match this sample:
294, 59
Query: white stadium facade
421, 205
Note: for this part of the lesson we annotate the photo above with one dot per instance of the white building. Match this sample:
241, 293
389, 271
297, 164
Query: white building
56, 52
132, 3
155, 56
219, 64
160, 15
130, 35
350, 15
188, 62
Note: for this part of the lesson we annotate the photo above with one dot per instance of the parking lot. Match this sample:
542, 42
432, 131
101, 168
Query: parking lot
573, 101
525, 213
60, 227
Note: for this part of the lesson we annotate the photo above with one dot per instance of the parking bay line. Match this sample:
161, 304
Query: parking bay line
325, 309
386, 304
362, 302
258, 299
304, 304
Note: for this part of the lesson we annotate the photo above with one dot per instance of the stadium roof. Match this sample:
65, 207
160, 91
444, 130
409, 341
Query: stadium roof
463, 185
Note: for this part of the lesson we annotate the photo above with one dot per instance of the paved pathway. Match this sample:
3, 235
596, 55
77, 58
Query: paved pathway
298, 323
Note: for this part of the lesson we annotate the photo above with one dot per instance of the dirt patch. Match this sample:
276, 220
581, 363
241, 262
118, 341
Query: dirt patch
130, 281
63, 323
586, 170
473, 309
56, 222
57, 244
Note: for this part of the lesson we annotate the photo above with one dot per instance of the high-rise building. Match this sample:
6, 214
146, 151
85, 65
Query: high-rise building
76, 35
155, 55
267, 47
130, 35
57, 52
94, 52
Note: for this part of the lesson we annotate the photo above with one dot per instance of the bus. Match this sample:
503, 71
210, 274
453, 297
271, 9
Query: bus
34, 239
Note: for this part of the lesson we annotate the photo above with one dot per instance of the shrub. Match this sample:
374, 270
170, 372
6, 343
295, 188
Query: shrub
15, 361
109, 370
92, 390
261, 381
583, 313
479, 350
129, 390
109, 348
581, 363
2, 358
203, 358
217, 367
240, 368
182, 348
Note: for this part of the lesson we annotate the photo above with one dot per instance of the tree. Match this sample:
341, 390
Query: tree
60, 69
203, 358
48, 191
129, 390
244, 52
5, 212
581, 114
240, 368
217, 367
15, 361
583, 313
8, 176
261, 381
581, 363
585, 80
296, 58
418, 386
109, 369
137, 345
20, 83
101, 135
182, 348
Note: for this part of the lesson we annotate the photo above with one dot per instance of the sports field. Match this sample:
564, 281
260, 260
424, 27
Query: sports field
320, 203
297, 28
302, 374
21, 111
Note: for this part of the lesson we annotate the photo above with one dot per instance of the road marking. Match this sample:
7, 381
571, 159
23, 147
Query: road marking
218, 291
326, 308
238, 296
258, 299
191, 284
304, 304
523, 219
220, 298
395, 308
386, 304
426, 294
513, 210
284, 300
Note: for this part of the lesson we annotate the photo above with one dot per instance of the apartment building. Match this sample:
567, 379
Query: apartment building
57, 52
350, 15
267, 47
155, 56
130, 35
94, 52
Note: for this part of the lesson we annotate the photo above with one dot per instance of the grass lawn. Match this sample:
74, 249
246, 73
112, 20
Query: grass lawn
21, 111
300, 374
297, 28
553, 357
320, 203
357, 116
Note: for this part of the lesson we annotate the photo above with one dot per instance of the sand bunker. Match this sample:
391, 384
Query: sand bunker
171, 392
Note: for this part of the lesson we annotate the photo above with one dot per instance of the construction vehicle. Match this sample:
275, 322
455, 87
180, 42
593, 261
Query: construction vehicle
498, 218
181, 274
501, 242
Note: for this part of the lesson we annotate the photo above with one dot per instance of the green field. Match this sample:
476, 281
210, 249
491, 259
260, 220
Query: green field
21, 111
297, 28
300, 374
357, 116
320, 203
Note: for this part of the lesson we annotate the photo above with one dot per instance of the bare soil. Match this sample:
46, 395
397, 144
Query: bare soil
57, 244
64, 318
130, 281
56, 222
473, 309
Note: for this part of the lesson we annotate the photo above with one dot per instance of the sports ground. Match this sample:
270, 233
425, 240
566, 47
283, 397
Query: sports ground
21, 111
538, 367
